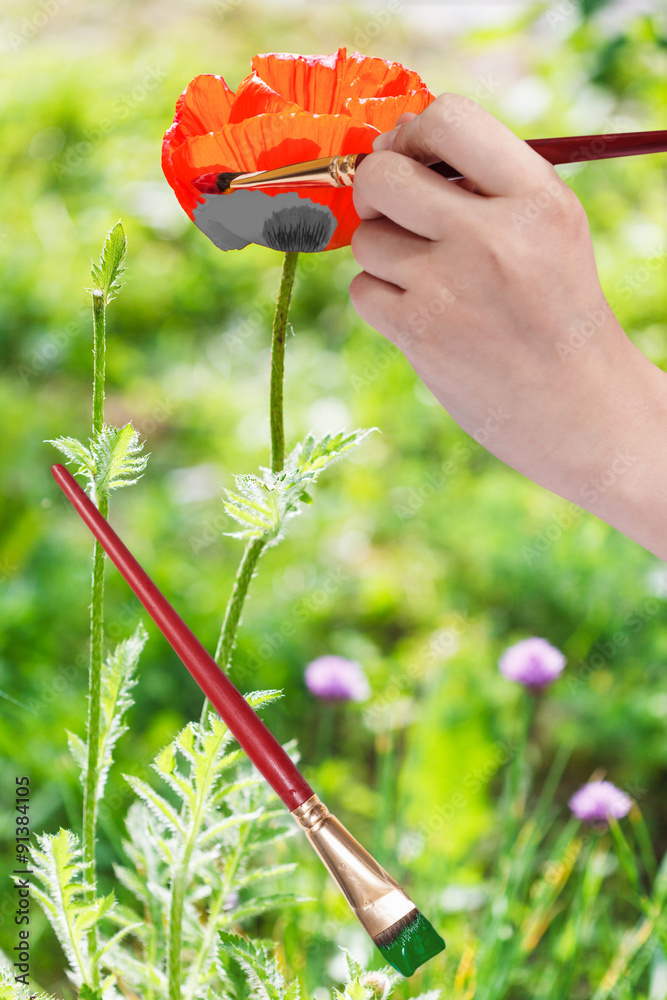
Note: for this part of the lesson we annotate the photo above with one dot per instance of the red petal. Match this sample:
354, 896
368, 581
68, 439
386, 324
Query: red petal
275, 140
254, 97
382, 112
322, 84
204, 106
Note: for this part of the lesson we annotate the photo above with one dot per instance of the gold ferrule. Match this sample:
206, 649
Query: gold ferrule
328, 171
342, 169
378, 901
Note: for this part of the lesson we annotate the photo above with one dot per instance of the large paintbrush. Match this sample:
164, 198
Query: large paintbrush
338, 171
403, 935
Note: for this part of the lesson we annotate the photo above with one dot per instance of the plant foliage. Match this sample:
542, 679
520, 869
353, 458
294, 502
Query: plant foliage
262, 505
112, 459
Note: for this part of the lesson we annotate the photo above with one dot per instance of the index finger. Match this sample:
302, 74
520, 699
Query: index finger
408, 193
455, 129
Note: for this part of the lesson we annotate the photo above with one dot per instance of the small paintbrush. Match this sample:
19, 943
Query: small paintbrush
402, 934
338, 171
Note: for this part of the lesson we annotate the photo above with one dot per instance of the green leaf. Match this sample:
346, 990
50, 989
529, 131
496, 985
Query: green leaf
262, 506
57, 865
88, 993
11, 990
264, 976
117, 682
113, 459
106, 275
160, 808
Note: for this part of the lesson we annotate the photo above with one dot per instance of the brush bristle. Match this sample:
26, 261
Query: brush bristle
409, 942
224, 180
387, 938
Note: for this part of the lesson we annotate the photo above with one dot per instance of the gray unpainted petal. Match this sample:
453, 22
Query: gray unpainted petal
233, 221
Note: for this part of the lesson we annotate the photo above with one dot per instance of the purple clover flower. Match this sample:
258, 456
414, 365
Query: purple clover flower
535, 663
335, 678
598, 800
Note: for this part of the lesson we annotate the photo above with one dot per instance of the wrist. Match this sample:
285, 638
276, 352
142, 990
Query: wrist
626, 486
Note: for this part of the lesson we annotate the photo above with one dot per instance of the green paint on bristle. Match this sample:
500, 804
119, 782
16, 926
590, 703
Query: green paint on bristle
415, 944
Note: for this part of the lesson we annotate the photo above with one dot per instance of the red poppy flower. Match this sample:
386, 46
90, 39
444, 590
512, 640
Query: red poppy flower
289, 109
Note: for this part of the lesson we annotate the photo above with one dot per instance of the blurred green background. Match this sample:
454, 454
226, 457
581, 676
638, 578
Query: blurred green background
423, 577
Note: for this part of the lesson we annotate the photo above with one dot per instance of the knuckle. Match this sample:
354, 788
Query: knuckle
357, 286
452, 108
566, 210
356, 242
384, 166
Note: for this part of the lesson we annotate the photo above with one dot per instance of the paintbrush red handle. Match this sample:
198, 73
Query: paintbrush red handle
575, 148
260, 745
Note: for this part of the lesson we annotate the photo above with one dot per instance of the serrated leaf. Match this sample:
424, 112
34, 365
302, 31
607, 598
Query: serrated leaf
106, 274
222, 825
160, 808
57, 866
78, 750
113, 459
353, 967
259, 699
10, 989
264, 975
273, 871
117, 681
262, 506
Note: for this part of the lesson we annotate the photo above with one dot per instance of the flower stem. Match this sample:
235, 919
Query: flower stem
99, 357
96, 640
255, 546
244, 574
278, 359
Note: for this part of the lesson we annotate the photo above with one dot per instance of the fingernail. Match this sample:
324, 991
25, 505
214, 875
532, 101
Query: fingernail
384, 140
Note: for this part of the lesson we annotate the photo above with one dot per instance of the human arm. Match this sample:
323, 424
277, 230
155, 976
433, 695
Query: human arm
490, 289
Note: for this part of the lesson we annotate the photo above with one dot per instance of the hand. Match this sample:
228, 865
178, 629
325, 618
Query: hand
489, 287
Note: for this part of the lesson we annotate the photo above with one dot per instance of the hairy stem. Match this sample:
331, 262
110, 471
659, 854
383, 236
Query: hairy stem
215, 909
255, 546
96, 640
99, 353
181, 876
278, 359
230, 625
